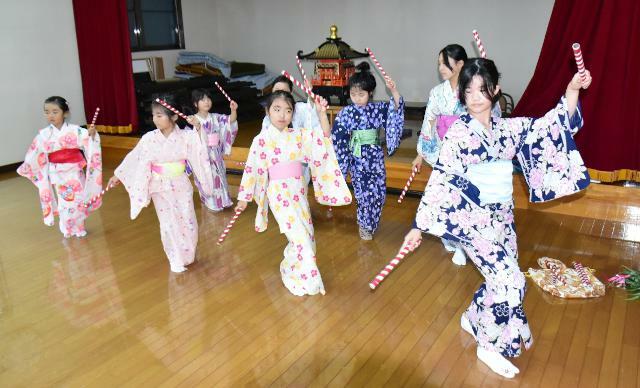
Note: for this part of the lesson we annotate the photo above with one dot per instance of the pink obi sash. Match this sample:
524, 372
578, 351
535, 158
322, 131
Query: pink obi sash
66, 155
169, 169
285, 170
443, 123
213, 139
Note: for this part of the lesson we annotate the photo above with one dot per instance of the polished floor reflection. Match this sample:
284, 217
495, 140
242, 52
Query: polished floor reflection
106, 311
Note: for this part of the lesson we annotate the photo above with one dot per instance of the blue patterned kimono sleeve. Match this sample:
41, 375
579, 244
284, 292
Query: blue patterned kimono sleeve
341, 136
448, 194
550, 160
394, 124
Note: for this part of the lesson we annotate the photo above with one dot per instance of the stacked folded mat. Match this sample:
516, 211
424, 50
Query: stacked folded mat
192, 64
245, 83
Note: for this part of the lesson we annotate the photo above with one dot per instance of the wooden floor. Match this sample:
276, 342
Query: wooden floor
106, 311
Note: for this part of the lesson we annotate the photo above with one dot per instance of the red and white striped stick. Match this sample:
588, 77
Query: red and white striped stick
378, 65
304, 75
555, 273
406, 186
223, 92
95, 198
584, 278
476, 37
577, 53
174, 110
95, 116
301, 86
227, 229
393, 263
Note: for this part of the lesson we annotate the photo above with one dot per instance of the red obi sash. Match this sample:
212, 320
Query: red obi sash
66, 155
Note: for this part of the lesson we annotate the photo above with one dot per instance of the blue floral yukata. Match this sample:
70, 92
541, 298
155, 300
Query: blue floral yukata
365, 162
454, 207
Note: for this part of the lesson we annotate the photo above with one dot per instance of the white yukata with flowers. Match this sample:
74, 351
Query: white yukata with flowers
288, 197
63, 188
155, 170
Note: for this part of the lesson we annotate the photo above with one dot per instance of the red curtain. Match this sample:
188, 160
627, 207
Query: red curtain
609, 33
102, 32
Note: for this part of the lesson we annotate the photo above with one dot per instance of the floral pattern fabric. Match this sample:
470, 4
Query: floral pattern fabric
64, 187
368, 173
451, 208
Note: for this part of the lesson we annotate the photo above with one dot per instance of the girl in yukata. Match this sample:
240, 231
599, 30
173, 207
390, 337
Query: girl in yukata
156, 170
273, 178
217, 132
55, 163
443, 108
469, 200
304, 115
357, 143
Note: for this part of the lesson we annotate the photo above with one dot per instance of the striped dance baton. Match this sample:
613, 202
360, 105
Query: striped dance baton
378, 65
556, 275
411, 246
223, 92
584, 277
95, 116
476, 37
311, 94
304, 75
577, 53
95, 198
227, 229
406, 186
174, 110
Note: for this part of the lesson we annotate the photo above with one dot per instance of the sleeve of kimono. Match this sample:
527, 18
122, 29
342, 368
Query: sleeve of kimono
449, 200
253, 185
548, 155
341, 136
198, 159
309, 116
265, 123
228, 132
36, 168
93, 153
429, 141
329, 185
135, 174
394, 124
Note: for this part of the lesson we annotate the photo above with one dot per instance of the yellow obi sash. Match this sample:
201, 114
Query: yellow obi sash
169, 169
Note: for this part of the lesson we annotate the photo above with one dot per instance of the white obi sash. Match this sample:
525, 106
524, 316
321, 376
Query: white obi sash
493, 179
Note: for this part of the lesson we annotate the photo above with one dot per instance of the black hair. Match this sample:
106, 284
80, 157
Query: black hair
363, 78
282, 78
164, 109
60, 101
455, 52
486, 69
199, 94
280, 94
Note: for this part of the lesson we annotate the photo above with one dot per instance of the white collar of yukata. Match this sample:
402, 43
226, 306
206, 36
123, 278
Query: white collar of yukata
64, 124
176, 129
204, 119
273, 128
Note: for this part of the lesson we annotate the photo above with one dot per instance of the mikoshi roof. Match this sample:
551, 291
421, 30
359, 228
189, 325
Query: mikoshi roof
333, 48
